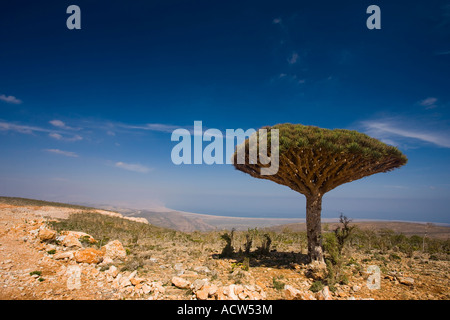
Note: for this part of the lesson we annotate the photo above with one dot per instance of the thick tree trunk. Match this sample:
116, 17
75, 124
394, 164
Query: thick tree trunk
313, 227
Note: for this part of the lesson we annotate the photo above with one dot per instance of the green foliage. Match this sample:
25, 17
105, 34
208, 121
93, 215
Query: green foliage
228, 250
316, 286
335, 141
264, 249
277, 284
35, 272
387, 240
394, 257
251, 233
105, 228
52, 251
245, 265
333, 244
85, 241
343, 232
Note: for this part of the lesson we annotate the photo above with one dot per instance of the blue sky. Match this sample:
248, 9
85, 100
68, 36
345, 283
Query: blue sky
86, 115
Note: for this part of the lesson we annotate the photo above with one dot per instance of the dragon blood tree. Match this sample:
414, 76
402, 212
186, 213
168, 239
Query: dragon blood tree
313, 161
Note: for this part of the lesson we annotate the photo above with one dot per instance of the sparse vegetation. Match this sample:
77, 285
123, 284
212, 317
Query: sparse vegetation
16, 201
277, 284
316, 286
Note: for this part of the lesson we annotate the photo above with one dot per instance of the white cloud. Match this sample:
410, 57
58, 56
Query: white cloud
75, 138
428, 103
58, 136
153, 127
132, 167
276, 21
58, 123
7, 126
61, 124
394, 132
64, 153
10, 99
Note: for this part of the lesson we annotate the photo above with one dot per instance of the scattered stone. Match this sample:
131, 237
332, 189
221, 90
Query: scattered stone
69, 241
408, 281
202, 294
113, 271
79, 235
181, 283
316, 270
324, 294
114, 250
198, 284
89, 255
291, 293
132, 275
46, 234
63, 255
124, 282
202, 270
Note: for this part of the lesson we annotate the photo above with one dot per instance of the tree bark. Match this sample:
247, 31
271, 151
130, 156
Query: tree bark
314, 228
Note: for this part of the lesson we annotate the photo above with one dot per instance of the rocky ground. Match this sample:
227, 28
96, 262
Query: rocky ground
37, 262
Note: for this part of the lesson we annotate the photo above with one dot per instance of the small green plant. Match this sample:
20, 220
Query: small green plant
333, 244
41, 279
32, 273
394, 257
343, 232
236, 265
228, 250
53, 251
264, 249
248, 243
85, 241
316, 286
246, 264
277, 284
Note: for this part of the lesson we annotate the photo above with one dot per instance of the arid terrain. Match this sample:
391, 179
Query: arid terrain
62, 252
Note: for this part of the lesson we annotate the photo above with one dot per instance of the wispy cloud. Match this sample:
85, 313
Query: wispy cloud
289, 78
7, 126
60, 137
152, 127
133, 167
277, 21
10, 99
442, 53
293, 58
429, 103
64, 153
62, 125
404, 131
